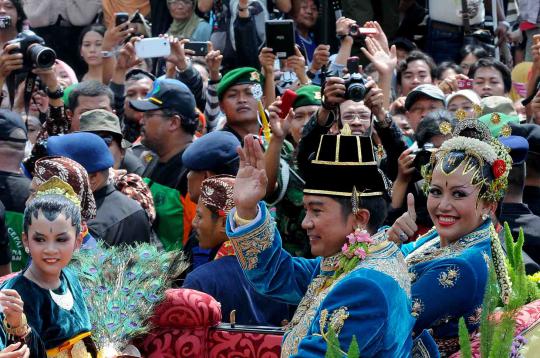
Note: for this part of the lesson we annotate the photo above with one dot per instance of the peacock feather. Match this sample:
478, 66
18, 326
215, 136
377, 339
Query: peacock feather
122, 285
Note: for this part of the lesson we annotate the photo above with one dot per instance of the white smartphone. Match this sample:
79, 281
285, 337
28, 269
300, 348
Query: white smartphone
153, 47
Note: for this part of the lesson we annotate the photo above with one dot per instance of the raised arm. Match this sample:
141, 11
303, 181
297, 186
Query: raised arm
255, 238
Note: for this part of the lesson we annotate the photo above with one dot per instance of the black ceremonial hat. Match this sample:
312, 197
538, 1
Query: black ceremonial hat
342, 164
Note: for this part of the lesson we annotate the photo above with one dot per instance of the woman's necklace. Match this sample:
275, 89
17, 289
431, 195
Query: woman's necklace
64, 301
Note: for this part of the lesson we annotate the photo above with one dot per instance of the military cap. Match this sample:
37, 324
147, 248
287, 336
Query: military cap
238, 76
87, 149
213, 151
519, 147
308, 96
100, 120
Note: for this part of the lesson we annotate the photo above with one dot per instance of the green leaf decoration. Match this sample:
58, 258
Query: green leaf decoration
464, 342
497, 335
509, 241
332, 343
354, 350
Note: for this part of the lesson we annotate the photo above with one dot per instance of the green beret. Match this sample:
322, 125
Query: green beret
238, 76
498, 123
308, 96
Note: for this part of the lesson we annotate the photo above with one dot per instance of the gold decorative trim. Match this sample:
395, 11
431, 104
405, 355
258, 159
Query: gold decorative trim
339, 193
326, 162
248, 246
359, 148
338, 143
319, 148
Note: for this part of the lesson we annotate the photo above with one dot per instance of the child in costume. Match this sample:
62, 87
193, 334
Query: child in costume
55, 316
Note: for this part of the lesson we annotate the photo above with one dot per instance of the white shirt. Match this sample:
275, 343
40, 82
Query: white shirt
449, 11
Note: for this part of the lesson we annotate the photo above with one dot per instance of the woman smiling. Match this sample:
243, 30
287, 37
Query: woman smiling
449, 265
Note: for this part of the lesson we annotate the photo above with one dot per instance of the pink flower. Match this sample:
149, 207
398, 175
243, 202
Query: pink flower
352, 238
344, 248
364, 237
360, 253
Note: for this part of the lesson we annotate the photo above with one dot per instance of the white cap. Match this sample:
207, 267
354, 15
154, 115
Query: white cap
467, 93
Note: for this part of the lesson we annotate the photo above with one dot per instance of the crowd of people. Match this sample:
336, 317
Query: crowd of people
359, 185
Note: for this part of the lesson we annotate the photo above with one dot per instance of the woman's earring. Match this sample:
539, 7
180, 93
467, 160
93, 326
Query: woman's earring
485, 216
26, 249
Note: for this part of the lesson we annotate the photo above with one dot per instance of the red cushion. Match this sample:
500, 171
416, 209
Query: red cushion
225, 344
187, 308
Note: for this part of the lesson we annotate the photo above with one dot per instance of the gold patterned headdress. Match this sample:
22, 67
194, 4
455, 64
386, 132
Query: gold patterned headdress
474, 138
56, 186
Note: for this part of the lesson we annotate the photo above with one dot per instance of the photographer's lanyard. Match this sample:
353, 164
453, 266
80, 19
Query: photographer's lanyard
29, 85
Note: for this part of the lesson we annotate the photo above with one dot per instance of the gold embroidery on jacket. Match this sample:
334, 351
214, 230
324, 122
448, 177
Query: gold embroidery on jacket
249, 246
449, 277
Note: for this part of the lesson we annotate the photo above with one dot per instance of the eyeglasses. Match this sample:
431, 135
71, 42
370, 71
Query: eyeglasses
362, 117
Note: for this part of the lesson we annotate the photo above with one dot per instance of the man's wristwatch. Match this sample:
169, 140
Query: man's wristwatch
386, 121
56, 94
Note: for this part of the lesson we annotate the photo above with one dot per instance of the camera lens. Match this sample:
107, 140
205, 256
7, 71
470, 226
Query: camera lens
356, 92
41, 56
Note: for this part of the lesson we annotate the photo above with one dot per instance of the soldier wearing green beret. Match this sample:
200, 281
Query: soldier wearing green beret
237, 101
285, 183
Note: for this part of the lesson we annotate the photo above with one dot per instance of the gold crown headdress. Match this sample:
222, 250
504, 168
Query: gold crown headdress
56, 186
483, 146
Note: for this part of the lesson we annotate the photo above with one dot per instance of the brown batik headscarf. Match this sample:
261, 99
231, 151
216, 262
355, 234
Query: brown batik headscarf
72, 173
217, 194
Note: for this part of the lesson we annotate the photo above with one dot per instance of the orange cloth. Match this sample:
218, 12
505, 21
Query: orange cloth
129, 6
190, 208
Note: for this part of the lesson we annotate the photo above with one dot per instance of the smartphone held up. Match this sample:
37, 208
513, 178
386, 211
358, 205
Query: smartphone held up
153, 47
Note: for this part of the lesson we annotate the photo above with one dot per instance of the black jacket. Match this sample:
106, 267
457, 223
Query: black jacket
119, 219
519, 215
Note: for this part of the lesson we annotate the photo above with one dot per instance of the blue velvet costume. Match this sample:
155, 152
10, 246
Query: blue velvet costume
448, 283
48, 321
223, 279
371, 302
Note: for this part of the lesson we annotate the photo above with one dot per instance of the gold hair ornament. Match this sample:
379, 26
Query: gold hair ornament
56, 186
485, 149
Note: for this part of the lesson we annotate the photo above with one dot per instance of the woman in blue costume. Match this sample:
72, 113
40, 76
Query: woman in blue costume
55, 315
359, 284
449, 265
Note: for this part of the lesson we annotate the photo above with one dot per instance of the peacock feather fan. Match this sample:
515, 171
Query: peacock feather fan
122, 285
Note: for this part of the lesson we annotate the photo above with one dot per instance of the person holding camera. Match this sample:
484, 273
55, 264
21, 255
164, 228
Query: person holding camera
342, 97
60, 23
428, 138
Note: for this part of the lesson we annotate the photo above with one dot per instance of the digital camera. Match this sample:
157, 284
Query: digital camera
355, 87
35, 54
422, 156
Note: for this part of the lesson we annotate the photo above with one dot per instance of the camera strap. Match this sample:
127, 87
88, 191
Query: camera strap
29, 85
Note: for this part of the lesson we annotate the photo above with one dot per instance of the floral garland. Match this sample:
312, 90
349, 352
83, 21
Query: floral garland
354, 251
